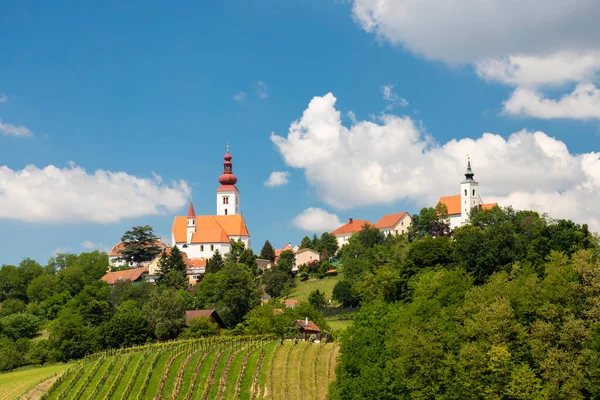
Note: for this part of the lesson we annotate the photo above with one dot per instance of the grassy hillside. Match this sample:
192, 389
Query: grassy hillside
303, 289
14, 384
217, 368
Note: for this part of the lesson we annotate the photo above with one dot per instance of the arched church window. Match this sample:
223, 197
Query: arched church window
201, 247
185, 246
225, 211
212, 247
473, 192
465, 192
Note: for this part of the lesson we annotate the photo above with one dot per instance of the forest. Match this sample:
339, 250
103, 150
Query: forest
507, 307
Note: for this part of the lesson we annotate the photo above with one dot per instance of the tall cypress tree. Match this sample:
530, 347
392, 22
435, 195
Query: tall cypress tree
267, 252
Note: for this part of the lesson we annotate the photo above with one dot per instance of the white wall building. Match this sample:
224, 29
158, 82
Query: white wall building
201, 236
459, 206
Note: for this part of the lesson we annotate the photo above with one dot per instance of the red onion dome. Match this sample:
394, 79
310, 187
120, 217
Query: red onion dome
228, 179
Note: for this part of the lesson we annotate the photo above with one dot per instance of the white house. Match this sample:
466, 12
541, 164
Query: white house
394, 224
459, 206
200, 236
344, 232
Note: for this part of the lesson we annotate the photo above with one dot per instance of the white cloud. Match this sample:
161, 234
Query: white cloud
13, 130
261, 90
89, 245
392, 159
277, 178
392, 97
241, 96
66, 195
316, 220
582, 103
3, 98
469, 30
531, 71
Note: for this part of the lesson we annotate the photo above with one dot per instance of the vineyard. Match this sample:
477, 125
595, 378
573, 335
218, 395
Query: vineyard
217, 368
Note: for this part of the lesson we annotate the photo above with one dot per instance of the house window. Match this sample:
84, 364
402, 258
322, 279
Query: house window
185, 246
201, 247
396, 231
225, 199
225, 211
402, 223
402, 230
212, 247
310, 258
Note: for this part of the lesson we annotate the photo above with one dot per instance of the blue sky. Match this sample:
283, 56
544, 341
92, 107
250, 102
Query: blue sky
152, 88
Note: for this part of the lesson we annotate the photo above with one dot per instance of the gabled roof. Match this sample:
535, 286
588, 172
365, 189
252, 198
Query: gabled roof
390, 220
310, 327
191, 314
452, 203
353, 225
211, 228
285, 248
307, 249
127, 275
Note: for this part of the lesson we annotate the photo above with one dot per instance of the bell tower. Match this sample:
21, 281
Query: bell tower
469, 193
228, 196
191, 225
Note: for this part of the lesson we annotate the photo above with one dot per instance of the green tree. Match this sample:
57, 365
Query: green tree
328, 244
20, 325
317, 299
198, 328
286, 262
344, 293
12, 283
432, 221
12, 306
42, 287
231, 292
248, 258
267, 252
276, 282
166, 313
172, 269
306, 243
128, 327
215, 263
139, 244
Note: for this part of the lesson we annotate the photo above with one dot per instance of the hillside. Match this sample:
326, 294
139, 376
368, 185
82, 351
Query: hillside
217, 368
303, 289
14, 384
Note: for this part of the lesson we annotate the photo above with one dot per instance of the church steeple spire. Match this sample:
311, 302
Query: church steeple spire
227, 178
469, 174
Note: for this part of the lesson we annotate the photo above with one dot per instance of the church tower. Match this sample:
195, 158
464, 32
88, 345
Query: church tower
228, 196
191, 225
469, 193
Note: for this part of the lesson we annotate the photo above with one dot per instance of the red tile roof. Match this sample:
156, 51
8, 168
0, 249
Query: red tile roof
390, 220
488, 206
227, 188
290, 302
210, 228
310, 327
353, 225
191, 212
452, 203
127, 275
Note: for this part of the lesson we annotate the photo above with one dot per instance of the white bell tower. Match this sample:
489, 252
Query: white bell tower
191, 225
469, 194
228, 196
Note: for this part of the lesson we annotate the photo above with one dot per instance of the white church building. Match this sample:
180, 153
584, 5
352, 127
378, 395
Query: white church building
199, 236
459, 206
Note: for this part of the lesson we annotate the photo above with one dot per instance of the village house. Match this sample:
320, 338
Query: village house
394, 224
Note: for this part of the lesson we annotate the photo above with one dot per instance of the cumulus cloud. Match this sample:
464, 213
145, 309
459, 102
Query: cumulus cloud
70, 194
3, 98
469, 30
582, 103
277, 178
261, 90
241, 96
498, 37
392, 159
390, 95
532, 71
14, 130
316, 220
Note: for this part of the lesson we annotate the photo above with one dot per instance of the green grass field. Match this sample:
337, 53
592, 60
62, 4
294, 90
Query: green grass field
223, 368
303, 289
14, 384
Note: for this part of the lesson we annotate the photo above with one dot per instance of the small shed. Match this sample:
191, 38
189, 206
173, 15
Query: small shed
134, 275
306, 327
211, 314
